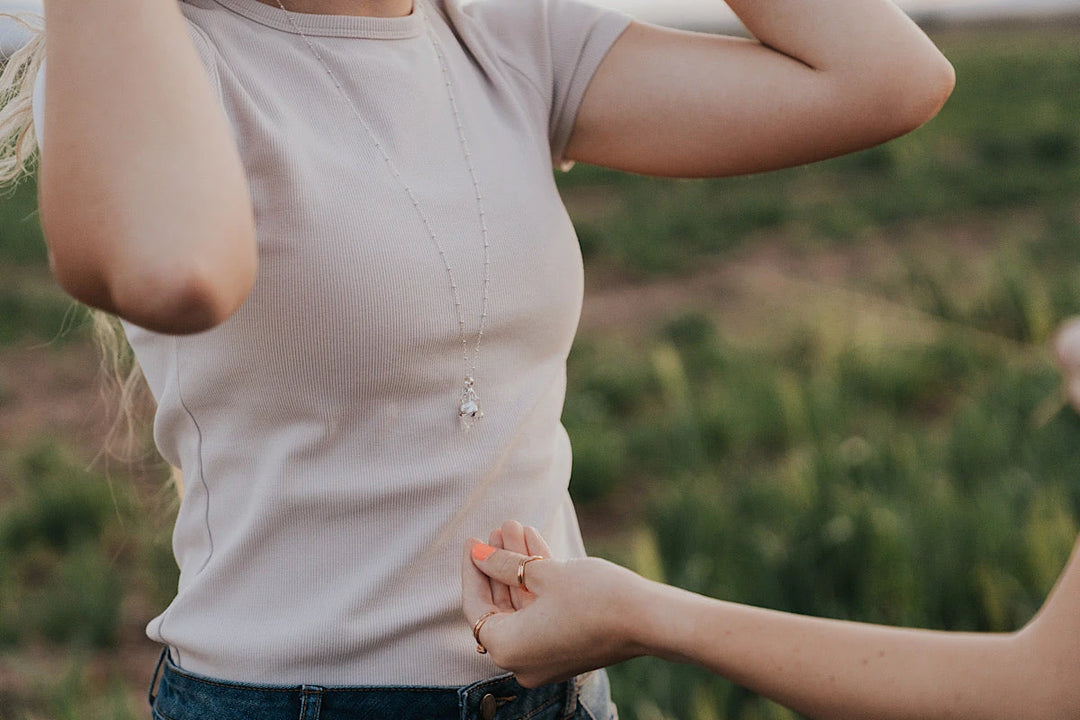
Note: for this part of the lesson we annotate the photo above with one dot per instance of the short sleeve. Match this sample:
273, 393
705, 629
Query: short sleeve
580, 37
202, 46
557, 45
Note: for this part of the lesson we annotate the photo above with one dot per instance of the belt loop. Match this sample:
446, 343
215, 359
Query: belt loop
151, 694
573, 688
311, 701
463, 701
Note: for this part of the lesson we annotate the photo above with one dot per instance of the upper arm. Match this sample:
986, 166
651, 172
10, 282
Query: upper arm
143, 197
202, 46
677, 103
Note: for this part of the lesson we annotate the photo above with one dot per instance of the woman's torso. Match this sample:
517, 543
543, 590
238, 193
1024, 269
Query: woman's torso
329, 484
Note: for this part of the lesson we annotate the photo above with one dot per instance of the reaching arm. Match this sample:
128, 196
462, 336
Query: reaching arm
832, 669
143, 197
588, 613
823, 78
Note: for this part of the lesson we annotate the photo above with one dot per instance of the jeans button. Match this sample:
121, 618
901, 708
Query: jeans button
488, 705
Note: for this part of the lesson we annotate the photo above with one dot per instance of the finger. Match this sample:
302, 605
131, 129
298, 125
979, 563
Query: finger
535, 543
502, 566
513, 535
1067, 345
496, 632
1072, 392
500, 592
475, 587
1067, 354
514, 541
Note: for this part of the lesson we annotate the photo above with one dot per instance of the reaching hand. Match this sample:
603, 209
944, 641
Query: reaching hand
575, 616
1067, 351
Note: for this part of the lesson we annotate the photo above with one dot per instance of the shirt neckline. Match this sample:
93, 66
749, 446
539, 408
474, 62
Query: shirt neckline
375, 28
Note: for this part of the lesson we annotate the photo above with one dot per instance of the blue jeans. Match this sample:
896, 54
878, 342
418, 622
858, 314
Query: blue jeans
186, 696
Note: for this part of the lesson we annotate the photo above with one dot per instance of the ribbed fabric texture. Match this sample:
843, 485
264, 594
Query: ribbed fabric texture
329, 486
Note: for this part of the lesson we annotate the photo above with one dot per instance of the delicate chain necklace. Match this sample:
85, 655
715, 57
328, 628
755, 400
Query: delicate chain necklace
469, 410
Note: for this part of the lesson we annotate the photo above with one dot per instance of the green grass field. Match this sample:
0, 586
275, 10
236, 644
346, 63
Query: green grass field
825, 390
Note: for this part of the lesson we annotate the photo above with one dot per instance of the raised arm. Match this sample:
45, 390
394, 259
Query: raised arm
143, 197
588, 613
822, 78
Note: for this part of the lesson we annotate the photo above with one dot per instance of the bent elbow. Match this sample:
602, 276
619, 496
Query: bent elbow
920, 94
175, 298
179, 301
935, 87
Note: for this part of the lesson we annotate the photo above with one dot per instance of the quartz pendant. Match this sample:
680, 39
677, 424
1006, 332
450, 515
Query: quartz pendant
469, 411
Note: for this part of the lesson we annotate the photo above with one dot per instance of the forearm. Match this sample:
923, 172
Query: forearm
143, 197
868, 56
829, 669
828, 34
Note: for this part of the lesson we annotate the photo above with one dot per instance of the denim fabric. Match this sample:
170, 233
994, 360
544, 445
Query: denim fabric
186, 696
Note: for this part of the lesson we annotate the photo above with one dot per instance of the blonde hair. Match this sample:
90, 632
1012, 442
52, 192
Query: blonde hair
18, 158
18, 144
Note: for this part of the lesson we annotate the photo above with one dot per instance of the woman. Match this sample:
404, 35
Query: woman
331, 230
587, 613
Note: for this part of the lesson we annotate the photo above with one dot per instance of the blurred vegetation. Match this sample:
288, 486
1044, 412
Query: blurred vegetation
900, 455
914, 485
73, 543
925, 478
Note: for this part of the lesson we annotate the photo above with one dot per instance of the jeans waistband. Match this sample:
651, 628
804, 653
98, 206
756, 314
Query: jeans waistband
182, 695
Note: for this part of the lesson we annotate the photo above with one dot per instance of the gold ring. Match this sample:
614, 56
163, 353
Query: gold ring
521, 570
476, 630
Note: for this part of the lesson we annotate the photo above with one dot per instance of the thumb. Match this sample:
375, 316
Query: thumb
502, 565
1072, 392
476, 596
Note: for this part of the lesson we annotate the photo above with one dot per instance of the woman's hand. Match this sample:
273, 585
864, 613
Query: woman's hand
1067, 353
577, 615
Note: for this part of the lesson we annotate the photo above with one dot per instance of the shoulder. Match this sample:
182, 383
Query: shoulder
542, 38
506, 19
552, 48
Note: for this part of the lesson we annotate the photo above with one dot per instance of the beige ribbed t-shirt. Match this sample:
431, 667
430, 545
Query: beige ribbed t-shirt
329, 485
